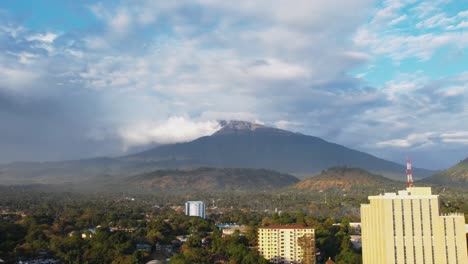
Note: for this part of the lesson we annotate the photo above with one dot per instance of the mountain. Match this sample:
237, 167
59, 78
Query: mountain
343, 178
237, 144
71, 171
212, 179
246, 145
453, 176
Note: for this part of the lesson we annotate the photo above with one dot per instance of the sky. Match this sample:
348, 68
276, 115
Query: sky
81, 79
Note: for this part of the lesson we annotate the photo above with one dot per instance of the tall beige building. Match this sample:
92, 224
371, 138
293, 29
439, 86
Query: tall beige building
287, 244
406, 228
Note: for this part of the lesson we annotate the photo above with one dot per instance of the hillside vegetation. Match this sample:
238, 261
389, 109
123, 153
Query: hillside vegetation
345, 179
455, 176
212, 179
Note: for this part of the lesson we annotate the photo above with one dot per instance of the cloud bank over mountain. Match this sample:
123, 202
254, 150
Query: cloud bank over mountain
386, 77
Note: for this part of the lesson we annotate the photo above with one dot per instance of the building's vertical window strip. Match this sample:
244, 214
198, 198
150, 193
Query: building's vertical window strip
455, 239
432, 232
413, 230
422, 229
404, 231
394, 231
446, 242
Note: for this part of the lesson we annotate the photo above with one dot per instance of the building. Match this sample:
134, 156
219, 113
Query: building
230, 229
195, 208
356, 241
408, 228
287, 244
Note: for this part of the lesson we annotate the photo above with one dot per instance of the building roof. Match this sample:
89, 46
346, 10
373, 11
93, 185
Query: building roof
286, 227
329, 261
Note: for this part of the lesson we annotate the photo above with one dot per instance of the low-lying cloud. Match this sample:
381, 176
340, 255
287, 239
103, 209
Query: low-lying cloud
172, 130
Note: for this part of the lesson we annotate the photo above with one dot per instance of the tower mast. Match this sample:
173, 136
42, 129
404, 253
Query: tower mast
409, 172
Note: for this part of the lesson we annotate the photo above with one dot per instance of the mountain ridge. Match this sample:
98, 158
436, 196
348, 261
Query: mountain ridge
241, 145
238, 144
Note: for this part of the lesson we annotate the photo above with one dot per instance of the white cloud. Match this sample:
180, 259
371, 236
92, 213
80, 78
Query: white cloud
400, 47
385, 36
462, 24
24, 57
463, 14
455, 134
285, 124
460, 137
172, 130
48, 37
438, 20
274, 69
412, 140
397, 20
236, 116
120, 22
17, 78
452, 91
389, 11
425, 9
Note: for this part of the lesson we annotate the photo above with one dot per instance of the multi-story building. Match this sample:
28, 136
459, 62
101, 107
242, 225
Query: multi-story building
287, 244
195, 208
408, 228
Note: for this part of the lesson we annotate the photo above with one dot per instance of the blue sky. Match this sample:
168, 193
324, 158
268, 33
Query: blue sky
84, 78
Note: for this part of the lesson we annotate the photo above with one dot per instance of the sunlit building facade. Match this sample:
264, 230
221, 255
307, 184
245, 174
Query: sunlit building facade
407, 228
287, 244
195, 208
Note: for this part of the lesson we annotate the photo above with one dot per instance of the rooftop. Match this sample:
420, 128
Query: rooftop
408, 193
286, 227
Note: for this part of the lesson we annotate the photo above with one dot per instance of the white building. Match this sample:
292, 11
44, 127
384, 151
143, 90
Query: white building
195, 208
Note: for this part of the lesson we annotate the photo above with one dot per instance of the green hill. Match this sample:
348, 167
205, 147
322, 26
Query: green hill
456, 176
343, 178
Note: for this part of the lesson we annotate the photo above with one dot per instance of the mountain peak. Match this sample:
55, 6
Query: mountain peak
236, 126
239, 125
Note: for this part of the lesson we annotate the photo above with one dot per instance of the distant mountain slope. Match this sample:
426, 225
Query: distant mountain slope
72, 171
245, 145
212, 179
342, 178
454, 176
237, 145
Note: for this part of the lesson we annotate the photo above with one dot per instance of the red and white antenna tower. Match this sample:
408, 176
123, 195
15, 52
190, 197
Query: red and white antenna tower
409, 173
